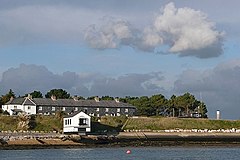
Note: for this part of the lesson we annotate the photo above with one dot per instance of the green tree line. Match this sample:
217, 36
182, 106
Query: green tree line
185, 105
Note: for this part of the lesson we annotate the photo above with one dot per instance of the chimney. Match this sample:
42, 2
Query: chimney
29, 96
11, 99
96, 99
116, 99
75, 98
54, 98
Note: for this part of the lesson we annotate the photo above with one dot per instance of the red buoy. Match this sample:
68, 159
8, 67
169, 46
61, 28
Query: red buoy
128, 152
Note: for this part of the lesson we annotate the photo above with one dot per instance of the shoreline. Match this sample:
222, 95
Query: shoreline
124, 139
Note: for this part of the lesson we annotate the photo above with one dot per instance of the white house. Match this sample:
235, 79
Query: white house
20, 105
78, 122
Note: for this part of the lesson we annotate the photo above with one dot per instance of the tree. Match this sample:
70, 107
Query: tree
187, 104
35, 94
78, 97
107, 98
91, 98
5, 98
202, 108
59, 93
172, 104
176, 106
159, 104
143, 105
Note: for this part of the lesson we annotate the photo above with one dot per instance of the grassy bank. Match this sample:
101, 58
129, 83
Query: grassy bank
37, 123
116, 124
161, 123
8, 123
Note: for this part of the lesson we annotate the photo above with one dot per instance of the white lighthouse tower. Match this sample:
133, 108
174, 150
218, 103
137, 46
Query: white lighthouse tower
218, 115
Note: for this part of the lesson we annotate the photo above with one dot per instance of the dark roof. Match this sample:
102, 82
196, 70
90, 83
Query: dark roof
28, 102
73, 114
17, 101
71, 103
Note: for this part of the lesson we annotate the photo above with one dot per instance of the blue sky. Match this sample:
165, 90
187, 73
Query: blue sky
121, 48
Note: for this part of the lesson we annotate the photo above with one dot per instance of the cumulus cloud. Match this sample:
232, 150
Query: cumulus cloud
110, 35
185, 31
27, 78
219, 87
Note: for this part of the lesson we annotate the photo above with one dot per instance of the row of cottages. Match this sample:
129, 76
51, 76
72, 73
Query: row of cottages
49, 106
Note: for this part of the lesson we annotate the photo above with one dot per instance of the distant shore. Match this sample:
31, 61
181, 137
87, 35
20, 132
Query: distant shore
122, 139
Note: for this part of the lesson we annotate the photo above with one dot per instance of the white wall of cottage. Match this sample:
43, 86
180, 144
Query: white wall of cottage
28, 109
73, 127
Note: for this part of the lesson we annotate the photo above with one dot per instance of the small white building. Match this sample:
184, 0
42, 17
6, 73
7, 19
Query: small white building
78, 122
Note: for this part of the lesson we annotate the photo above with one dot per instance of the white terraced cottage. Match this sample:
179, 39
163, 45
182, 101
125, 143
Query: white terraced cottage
49, 106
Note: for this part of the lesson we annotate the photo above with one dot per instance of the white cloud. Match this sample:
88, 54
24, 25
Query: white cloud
185, 31
110, 35
150, 40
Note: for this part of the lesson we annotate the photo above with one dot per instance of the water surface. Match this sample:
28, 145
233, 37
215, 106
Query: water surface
139, 153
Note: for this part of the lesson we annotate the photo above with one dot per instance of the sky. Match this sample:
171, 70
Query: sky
124, 48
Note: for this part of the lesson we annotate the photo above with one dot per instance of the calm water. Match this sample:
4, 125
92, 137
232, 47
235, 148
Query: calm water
148, 153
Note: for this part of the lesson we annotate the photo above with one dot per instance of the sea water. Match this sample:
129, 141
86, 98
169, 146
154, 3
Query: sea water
138, 153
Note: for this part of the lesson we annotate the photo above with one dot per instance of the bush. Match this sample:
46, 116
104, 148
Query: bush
6, 113
32, 122
60, 114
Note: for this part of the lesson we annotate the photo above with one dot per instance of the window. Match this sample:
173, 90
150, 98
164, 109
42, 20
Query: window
107, 109
15, 107
118, 110
40, 108
126, 110
29, 107
66, 122
53, 108
82, 121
